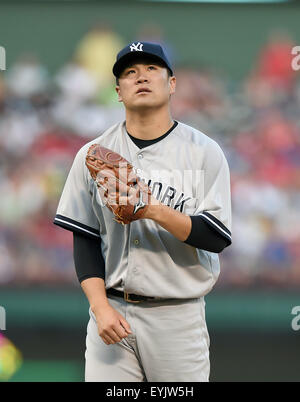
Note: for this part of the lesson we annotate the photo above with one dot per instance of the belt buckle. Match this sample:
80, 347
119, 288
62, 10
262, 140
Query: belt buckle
126, 298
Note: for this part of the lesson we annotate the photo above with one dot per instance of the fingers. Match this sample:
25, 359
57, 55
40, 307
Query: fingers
107, 340
112, 326
115, 333
125, 325
111, 336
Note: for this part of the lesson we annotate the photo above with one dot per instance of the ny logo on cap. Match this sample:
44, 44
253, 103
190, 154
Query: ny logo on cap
136, 47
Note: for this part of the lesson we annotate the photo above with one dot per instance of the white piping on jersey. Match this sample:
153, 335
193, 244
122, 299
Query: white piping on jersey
214, 223
75, 226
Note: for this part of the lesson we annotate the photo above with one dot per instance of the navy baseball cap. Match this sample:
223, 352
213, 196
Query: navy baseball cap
137, 50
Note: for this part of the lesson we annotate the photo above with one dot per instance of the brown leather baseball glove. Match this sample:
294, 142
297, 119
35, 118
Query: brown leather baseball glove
125, 194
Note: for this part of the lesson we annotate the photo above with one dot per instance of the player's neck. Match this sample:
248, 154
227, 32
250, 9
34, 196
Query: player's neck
148, 126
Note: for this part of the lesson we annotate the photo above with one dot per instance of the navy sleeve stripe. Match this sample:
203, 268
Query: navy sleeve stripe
72, 225
216, 224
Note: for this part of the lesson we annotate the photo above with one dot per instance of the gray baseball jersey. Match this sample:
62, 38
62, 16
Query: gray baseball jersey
187, 171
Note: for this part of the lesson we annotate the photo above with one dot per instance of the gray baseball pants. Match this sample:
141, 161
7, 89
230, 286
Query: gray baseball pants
169, 343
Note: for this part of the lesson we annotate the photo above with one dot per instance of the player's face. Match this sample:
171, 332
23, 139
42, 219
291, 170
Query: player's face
144, 85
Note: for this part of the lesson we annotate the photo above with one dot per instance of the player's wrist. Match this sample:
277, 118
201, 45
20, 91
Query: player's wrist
154, 209
100, 305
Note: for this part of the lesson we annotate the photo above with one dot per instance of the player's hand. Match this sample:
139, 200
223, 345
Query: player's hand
112, 326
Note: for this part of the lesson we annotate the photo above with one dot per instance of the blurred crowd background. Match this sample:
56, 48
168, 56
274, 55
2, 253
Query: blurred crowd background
45, 118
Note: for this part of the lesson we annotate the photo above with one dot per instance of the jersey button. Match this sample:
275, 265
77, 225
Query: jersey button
140, 156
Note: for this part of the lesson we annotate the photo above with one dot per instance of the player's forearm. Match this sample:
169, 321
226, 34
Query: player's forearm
94, 289
175, 222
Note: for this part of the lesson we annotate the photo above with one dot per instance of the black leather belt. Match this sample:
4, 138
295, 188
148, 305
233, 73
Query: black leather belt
129, 297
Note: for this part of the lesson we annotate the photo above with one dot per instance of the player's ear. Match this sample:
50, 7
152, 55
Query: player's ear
119, 93
172, 84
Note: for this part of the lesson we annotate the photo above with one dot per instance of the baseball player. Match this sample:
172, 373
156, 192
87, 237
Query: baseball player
146, 281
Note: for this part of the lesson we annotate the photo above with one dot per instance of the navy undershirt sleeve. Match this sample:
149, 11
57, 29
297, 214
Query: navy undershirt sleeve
203, 236
88, 258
